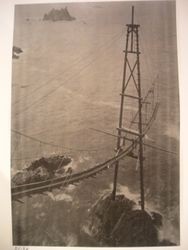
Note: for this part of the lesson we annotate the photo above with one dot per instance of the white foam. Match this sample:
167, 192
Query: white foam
37, 205
72, 165
86, 230
70, 188
71, 240
84, 158
60, 197
122, 189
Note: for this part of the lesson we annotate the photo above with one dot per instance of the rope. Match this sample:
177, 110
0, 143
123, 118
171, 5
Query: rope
54, 145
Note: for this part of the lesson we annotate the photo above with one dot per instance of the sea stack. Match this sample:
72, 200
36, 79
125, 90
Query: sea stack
58, 15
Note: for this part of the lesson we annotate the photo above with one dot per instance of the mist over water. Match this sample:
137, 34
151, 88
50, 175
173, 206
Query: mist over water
67, 81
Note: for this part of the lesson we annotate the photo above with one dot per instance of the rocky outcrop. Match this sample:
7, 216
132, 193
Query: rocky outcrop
15, 52
58, 15
122, 223
42, 169
27, 176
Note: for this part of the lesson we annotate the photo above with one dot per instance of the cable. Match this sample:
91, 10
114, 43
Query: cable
48, 94
52, 144
161, 149
148, 145
52, 79
73, 76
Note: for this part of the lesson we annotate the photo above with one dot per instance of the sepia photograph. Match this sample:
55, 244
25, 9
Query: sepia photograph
95, 124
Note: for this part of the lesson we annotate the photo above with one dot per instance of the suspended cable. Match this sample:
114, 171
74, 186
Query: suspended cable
148, 145
52, 78
52, 144
160, 148
72, 77
144, 100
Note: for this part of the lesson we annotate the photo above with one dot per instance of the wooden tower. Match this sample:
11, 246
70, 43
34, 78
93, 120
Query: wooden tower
131, 75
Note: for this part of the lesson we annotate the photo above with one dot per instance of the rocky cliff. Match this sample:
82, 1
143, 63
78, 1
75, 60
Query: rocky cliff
120, 222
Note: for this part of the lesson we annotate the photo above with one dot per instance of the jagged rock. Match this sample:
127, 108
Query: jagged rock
51, 163
22, 177
135, 228
42, 169
28, 176
58, 15
40, 174
17, 50
120, 223
157, 219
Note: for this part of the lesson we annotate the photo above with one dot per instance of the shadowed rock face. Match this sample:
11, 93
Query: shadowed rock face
58, 15
118, 223
42, 169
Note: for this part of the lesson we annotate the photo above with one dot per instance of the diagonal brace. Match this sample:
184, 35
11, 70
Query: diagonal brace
131, 74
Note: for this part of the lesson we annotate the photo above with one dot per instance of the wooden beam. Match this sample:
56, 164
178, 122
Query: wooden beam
143, 123
130, 131
131, 96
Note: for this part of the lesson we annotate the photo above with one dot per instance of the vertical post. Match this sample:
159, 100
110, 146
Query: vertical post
120, 117
140, 124
132, 28
121, 111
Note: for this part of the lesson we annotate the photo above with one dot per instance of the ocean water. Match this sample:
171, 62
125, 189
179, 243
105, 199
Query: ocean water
67, 81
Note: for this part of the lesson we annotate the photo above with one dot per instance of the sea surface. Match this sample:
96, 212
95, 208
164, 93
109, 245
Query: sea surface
66, 82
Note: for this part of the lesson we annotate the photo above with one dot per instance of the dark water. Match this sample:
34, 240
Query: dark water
68, 80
